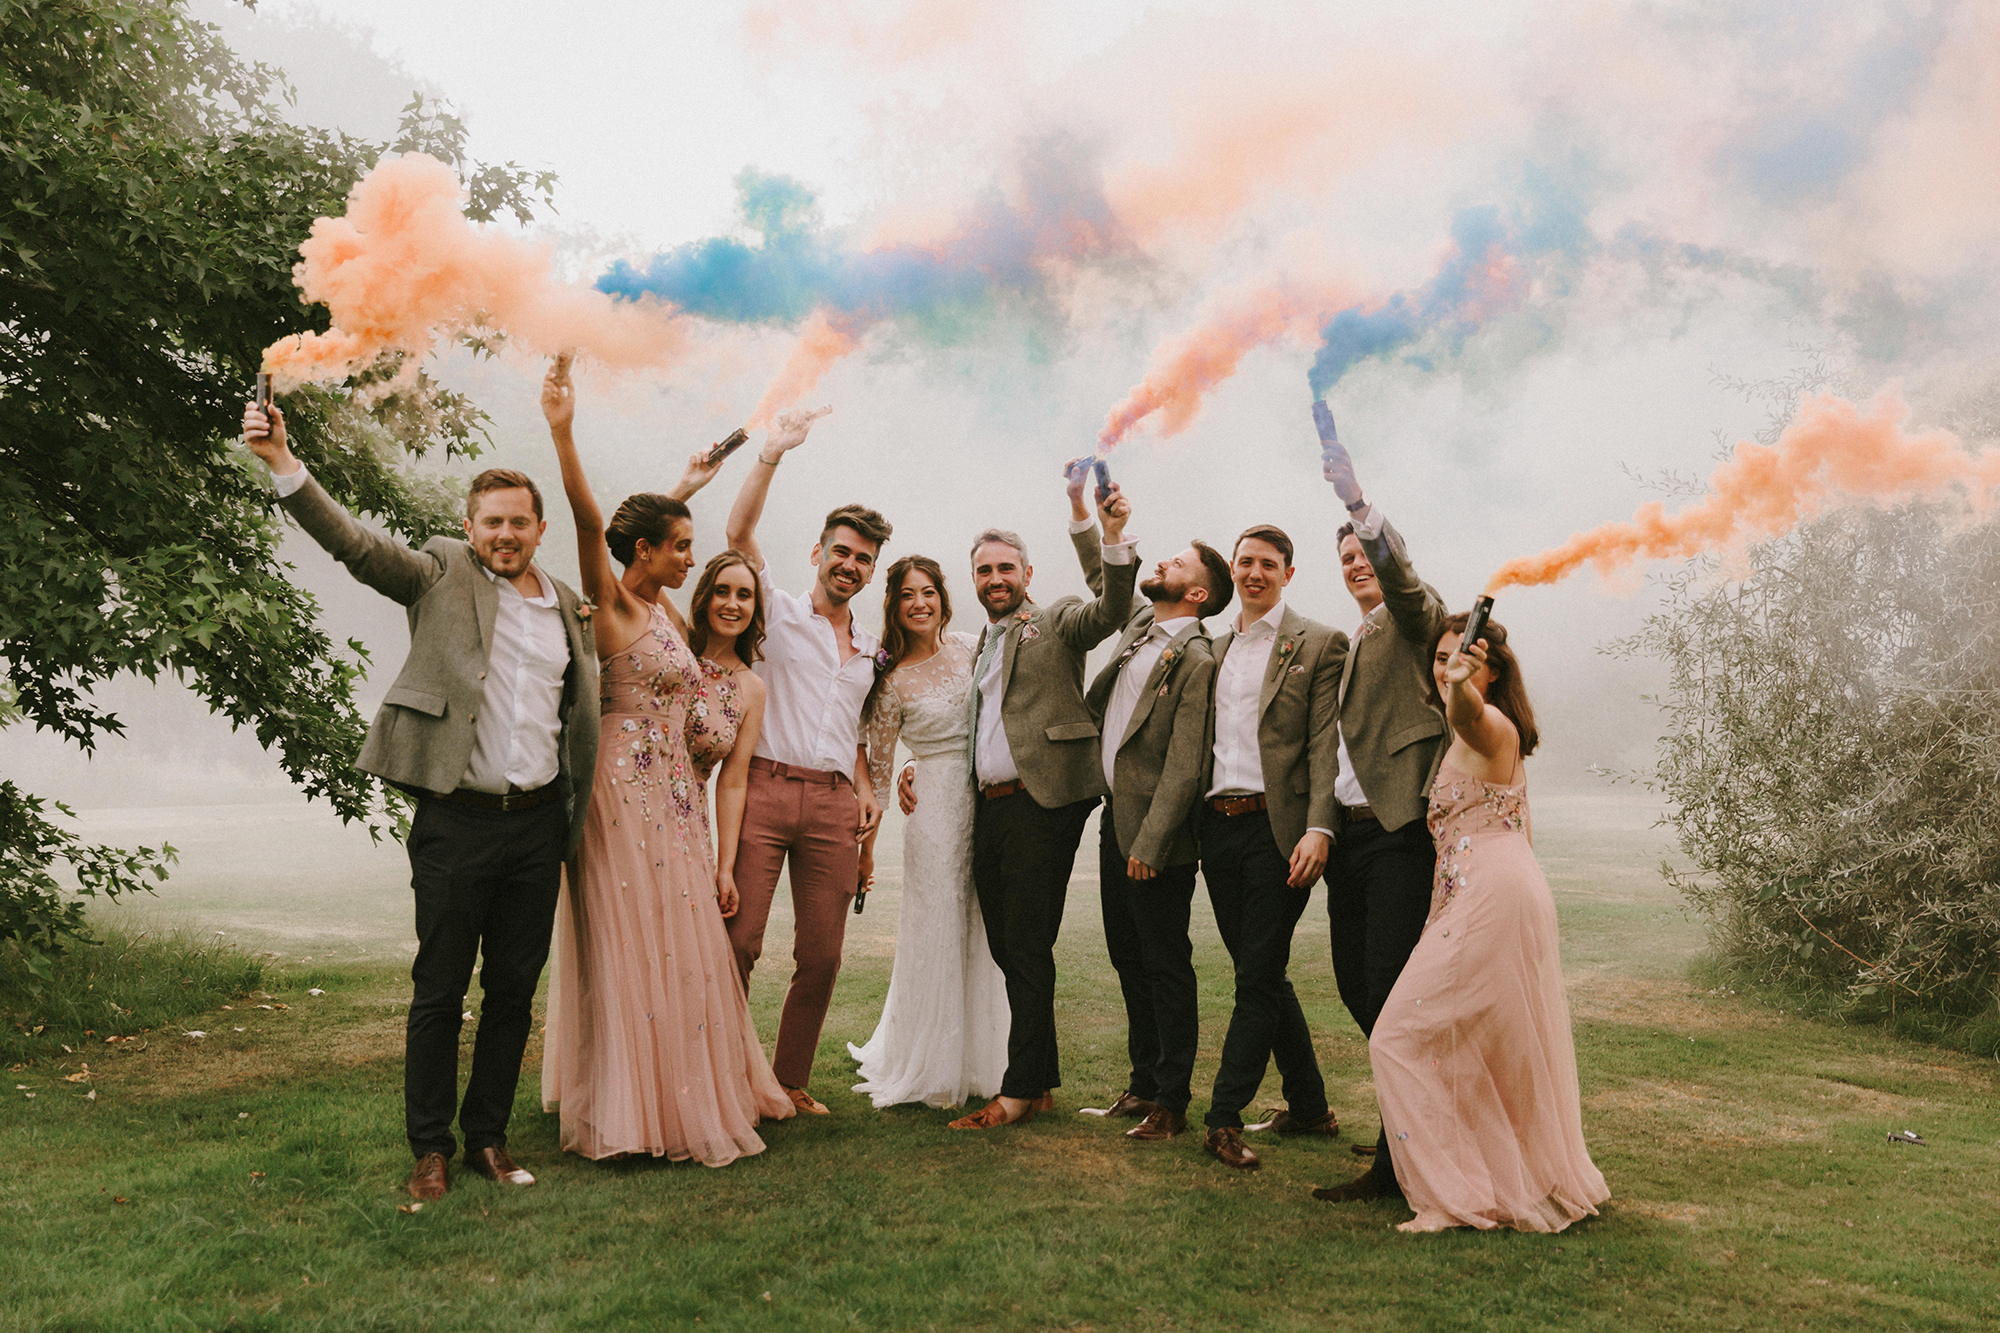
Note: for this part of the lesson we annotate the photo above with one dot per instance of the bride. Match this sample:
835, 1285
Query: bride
943, 1033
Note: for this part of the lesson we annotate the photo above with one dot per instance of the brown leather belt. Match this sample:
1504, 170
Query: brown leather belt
1237, 805
795, 773
1359, 814
508, 804
999, 789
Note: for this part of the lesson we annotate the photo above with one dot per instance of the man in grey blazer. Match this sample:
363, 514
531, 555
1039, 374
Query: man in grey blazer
1267, 826
1151, 702
1391, 740
1039, 772
492, 725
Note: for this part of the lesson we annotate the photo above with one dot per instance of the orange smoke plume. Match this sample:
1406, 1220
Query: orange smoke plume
1186, 370
827, 338
1832, 453
405, 268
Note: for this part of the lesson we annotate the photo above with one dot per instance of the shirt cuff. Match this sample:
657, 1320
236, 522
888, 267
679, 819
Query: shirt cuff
1367, 523
1327, 831
1078, 526
290, 483
1121, 554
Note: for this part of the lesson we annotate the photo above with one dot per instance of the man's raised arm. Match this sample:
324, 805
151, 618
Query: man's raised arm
786, 434
1417, 611
1084, 625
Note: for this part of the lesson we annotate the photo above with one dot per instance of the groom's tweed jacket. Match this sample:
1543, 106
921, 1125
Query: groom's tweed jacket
422, 738
1157, 777
1395, 733
1296, 738
1050, 729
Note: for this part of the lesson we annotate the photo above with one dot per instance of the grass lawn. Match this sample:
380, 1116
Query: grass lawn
251, 1178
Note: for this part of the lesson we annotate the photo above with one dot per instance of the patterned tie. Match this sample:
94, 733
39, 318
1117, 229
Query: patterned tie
989, 644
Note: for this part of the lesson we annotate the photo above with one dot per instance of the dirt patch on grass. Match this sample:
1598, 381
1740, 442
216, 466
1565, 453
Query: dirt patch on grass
1660, 1210
302, 1045
1609, 997
1699, 1115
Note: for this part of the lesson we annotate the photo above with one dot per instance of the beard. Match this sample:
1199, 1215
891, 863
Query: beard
1156, 589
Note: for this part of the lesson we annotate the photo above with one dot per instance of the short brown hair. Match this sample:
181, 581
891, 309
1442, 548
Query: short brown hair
500, 479
1220, 586
867, 524
749, 639
1506, 693
1266, 532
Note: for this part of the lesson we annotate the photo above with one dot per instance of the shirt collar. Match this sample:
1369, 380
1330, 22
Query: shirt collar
1267, 623
1169, 628
548, 596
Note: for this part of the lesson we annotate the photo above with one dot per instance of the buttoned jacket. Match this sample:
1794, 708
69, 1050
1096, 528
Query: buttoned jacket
1157, 765
1050, 729
1388, 711
1296, 739
422, 737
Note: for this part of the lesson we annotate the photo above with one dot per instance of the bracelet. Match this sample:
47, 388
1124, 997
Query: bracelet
1357, 506
769, 462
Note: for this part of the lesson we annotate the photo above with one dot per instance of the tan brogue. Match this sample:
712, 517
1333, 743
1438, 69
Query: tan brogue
430, 1179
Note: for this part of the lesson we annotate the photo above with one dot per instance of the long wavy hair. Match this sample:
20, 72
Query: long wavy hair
896, 640
750, 639
1506, 693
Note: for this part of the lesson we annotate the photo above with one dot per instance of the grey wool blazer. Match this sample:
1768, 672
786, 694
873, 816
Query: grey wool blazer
422, 738
1050, 729
1295, 727
1157, 774
1388, 713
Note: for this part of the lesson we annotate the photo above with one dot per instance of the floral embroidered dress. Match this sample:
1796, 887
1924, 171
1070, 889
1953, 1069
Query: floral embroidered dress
650, 1046
714, 712
1474, 1062
943, 1033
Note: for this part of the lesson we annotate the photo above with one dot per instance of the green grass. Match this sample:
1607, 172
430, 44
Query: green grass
253, 1177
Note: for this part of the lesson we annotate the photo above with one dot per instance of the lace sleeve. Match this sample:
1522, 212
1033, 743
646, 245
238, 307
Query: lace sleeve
883, 724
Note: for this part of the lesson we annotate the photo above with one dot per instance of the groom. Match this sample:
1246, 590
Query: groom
1039, 771
492, 725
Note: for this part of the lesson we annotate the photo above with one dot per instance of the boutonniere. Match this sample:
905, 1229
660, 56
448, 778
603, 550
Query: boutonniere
1368, 627
1285, 646
883, 661
1168, 658
584, 607
1024, 615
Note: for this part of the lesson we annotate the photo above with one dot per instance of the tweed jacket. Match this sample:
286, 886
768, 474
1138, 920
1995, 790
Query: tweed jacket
422, 738
1050, 729
1156, 778
1295, 727
1388, 712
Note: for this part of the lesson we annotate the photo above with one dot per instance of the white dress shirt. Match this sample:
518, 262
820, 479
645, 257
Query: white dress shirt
1347, 787
1239, 688
517, 732
993, 758
1132, 677
812, 702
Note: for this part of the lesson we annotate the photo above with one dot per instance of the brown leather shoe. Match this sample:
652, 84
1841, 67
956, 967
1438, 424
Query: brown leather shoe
1045, 1102
429, 1180
1327, 1124
1363, 1187
1137, 1108
496, 1165
1159, 1126
992, 1116
1226, 1144
806, 1102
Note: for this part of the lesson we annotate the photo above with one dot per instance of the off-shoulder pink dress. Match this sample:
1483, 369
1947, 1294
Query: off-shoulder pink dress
650, 1046
1475, 1065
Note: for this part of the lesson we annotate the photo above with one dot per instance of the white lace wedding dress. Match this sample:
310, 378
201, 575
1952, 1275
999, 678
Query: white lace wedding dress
943, 1034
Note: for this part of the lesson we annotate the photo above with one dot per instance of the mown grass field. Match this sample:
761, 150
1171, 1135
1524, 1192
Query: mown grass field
250, 1179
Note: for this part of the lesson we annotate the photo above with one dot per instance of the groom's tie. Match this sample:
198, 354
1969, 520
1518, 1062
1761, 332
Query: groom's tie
989, 644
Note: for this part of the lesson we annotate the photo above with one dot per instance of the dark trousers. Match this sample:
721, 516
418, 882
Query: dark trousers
1146, 931
1021, 859
485, 883
1256, 912
1378, 892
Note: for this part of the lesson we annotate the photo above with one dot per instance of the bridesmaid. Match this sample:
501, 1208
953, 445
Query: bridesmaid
726, 711
1475, 1065
650, 1047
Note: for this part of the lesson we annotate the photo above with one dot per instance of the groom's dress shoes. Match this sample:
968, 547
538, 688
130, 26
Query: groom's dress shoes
496, 1165
428, 1180
1226, 1145
1159, 1125
1045, 1102
1127, 1105
806, 1102
1326, 1124
992, 1116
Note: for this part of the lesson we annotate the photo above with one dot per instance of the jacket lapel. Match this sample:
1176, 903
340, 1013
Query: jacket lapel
1163, 667
1369, 624
1282, 652
1012, 645
485, 602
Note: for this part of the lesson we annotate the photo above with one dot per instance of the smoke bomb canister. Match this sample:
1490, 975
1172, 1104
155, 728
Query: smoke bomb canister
262, 393
1475, 623
1103, 479
729, 445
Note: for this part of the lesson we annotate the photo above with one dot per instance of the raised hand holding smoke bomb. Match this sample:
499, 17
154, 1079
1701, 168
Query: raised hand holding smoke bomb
1334, 461
729, 445
1475, 623
264, 430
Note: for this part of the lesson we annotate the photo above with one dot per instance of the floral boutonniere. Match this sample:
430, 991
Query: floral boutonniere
1024, 615
584, 608
1168, 658
1285, 646
883, 661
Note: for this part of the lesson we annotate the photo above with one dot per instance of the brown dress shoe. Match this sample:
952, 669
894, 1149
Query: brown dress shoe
429, 1180
1226, 1144
1159, 1126
806, 1102
1326, 1124
1363, 1187
1045, 1102
496, 1165
992, 1116
1137, 1108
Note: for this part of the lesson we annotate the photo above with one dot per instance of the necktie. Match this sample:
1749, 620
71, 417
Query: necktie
989, 644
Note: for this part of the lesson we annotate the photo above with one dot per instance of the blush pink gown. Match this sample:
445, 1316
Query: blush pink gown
650, 1045
1475, 1065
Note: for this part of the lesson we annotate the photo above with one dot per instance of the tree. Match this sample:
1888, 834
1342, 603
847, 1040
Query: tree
151, 202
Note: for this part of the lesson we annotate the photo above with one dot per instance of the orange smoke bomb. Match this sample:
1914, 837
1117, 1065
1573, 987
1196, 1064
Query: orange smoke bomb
827, 338
1832, 453
404, 268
